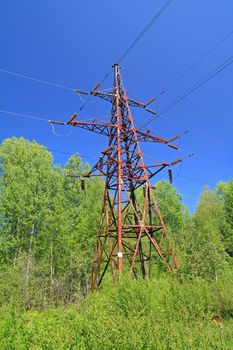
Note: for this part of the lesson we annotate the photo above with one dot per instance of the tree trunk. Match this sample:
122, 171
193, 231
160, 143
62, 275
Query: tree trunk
28, 267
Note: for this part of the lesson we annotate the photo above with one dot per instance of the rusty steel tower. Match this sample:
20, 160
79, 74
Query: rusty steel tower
131, 231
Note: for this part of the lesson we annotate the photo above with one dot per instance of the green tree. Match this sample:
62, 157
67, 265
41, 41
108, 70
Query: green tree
224, 192
205, 254
28, 189
175, 216
84, 208
171, 207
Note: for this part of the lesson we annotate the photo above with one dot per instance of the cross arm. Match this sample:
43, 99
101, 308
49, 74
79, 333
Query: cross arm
147, 137
95, 125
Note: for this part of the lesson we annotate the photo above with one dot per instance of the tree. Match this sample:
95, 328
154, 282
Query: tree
84, 207
224, 192
48, 223
28, 189
170, 205
205, 252
175, 215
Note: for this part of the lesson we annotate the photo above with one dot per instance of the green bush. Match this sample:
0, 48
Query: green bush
158, 314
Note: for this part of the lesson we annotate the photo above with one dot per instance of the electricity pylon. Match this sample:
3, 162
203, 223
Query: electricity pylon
131, 226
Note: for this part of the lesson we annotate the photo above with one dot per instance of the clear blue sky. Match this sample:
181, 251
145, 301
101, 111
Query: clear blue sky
74, 43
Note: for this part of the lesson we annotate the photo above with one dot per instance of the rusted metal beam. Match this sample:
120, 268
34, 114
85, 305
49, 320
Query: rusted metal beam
130, 229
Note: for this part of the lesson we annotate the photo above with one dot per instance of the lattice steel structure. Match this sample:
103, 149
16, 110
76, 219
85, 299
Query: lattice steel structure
131, 226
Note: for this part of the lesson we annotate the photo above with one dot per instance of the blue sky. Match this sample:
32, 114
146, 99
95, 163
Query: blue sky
74, 43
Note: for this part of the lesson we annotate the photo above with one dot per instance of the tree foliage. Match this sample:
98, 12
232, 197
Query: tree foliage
224, 192
48, 224
48, 227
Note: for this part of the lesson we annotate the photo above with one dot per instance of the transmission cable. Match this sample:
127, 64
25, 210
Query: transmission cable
156, 16
179, 173
23, 115
122, 57
196, 180
188, 129
189, 154
221, 138
69, 154
45, 82
209, 76
194, 64
148, 26
27, 116
24, 76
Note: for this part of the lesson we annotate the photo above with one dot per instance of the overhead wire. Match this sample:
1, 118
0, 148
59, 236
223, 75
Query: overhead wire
92, 158
155, 17
200, 59
45, 82
69, 154
125, 53
60, 135
164, 89
147, 27
90, 96
221, 138
187, 128
212, 114
197, 85
196, 180
44, 120
27, 116
179, 173
218, 140
23, 115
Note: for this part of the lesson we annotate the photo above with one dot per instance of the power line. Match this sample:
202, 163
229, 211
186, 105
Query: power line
122, 57
196, 180
148, 26
189, 154
68, 154
194, 64
27, 116
156, 16
214, 115
179, 173
221, 138
46, 82
187, 128
44, 120
91, 158
90, 95
209, 76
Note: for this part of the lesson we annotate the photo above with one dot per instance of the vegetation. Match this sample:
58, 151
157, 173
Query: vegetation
47, 232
